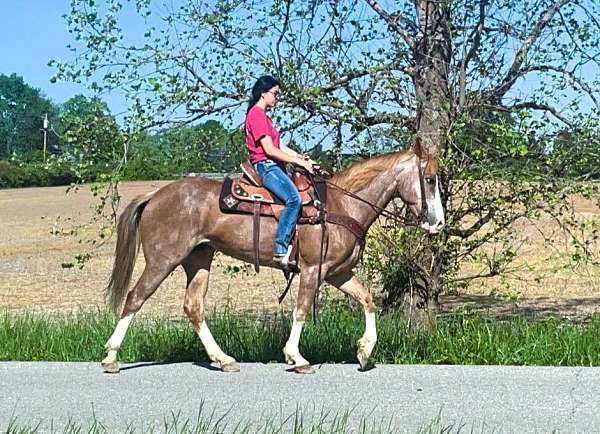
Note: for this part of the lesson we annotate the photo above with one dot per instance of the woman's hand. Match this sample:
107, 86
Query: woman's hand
307, 164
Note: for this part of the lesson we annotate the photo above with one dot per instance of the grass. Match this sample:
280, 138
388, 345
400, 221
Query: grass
323, 422
461, 338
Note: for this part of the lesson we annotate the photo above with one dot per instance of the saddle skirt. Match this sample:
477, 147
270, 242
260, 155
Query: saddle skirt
240, 195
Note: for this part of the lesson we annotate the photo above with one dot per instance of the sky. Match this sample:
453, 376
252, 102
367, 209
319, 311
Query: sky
33, 32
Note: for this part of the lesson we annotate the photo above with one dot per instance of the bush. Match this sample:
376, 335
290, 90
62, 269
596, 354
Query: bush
35, 174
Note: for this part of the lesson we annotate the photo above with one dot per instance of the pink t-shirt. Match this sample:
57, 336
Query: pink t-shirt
257, 126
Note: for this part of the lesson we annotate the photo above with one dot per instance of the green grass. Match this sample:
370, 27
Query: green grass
461, 338
323, 422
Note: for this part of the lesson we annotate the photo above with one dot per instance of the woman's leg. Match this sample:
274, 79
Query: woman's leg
279, 183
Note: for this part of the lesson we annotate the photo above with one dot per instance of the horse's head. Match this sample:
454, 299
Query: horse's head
420, 190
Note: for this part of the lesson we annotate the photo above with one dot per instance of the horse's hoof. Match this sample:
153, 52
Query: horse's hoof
288, 359
366, 367
363, 360
230, 367
111, 368
306, 369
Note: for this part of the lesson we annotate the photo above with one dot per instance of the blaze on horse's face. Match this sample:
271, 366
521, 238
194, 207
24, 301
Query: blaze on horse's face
421, 181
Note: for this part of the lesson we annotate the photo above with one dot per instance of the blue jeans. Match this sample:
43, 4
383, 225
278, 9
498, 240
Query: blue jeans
279, 183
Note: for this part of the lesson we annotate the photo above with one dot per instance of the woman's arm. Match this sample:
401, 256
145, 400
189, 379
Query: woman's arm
290, 151
286, 157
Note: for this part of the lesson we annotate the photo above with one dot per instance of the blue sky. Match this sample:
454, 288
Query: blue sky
33, 32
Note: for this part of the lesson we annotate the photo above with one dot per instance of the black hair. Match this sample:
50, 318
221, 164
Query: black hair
262, 85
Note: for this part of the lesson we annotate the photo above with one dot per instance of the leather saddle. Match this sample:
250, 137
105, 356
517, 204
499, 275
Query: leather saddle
247, 195
242, 195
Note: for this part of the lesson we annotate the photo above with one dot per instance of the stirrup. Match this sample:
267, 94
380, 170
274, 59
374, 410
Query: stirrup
284, 259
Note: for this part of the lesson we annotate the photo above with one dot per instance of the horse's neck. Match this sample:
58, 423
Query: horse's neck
379, 192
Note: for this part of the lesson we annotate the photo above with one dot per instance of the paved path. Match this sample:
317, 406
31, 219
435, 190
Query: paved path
483, 398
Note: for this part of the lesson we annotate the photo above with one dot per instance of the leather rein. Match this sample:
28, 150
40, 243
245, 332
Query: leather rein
384, 212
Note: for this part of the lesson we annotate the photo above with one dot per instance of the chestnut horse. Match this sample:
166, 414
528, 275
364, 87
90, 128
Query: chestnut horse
181, 224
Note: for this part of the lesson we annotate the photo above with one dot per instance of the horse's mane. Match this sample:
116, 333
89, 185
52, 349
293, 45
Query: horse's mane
359, 175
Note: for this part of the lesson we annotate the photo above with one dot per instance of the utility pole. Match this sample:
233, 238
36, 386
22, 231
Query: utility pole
45, 130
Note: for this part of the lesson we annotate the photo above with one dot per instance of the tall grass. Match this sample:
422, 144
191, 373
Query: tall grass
461, 338
323, 422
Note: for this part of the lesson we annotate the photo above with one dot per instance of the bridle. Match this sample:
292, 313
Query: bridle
392, 215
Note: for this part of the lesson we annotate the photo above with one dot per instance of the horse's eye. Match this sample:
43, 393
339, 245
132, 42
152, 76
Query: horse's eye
430, 180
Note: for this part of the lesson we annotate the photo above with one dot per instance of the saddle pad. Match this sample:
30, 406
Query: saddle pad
229, 204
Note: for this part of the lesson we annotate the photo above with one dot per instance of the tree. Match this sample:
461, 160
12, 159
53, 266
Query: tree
22, 111
91, 137
353, 73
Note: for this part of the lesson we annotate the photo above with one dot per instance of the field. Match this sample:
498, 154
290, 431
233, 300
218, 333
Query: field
32, 278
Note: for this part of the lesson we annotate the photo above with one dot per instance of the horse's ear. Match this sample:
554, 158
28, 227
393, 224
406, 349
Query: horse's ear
418, 147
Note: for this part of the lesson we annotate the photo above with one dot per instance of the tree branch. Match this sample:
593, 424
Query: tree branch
586, 87
466, 233
540, 106
391, 22
514, 71
476, 37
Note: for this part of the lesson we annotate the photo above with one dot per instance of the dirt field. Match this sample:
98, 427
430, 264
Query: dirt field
31, 276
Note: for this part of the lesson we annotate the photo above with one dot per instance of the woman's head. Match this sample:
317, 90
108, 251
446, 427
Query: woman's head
265, 88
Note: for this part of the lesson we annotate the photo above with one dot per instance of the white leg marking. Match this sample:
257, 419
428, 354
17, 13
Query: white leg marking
368, 340
291, 350
370, 328
116, 339
212, 348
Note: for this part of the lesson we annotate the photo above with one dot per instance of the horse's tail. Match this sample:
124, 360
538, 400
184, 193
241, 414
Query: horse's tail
128, 243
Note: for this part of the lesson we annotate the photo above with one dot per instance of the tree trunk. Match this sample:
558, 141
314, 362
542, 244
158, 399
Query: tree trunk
432, 54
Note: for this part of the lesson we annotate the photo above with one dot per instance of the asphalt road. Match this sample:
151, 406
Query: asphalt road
482, 399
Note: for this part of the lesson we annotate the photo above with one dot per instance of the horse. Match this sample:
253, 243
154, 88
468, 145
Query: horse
181, 224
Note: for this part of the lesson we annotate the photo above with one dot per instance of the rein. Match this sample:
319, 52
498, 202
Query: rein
384, 212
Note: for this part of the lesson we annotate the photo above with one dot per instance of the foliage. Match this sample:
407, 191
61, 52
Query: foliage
207, 147
54, 172
91, 139
22, 110
576, 154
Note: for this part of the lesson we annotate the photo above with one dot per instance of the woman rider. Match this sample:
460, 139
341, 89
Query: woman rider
269, 156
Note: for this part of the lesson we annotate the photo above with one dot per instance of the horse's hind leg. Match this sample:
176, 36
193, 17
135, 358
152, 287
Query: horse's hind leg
197, 269
148, 282
350, 285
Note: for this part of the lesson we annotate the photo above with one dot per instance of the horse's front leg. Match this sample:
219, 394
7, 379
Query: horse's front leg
306, 295
350, 285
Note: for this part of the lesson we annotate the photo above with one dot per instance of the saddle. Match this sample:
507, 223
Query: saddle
247, 195
243, 194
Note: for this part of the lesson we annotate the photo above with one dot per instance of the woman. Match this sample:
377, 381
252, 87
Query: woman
269, 156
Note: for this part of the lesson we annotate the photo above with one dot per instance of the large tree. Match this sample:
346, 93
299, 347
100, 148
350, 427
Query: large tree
465, 75
22, 112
